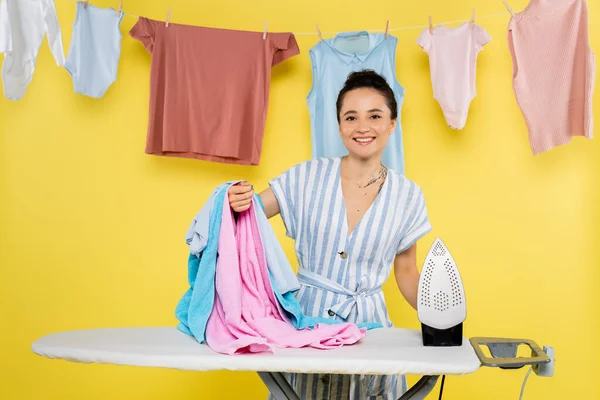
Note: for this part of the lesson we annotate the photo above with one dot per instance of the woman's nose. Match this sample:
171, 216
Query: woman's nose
363, 127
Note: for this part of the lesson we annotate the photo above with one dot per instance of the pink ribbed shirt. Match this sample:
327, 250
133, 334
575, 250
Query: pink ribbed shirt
553, 71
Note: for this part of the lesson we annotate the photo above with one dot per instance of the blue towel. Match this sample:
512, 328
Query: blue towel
195, 306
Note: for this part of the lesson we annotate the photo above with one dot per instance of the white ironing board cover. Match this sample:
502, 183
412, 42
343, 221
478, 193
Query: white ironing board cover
382, 351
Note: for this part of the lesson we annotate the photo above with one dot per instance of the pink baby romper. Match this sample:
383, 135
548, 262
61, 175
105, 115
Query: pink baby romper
452, 63
553, 71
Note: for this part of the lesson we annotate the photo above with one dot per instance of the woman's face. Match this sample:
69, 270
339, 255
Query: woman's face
365, 123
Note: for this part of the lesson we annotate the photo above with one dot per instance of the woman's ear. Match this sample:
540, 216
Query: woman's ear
393, 126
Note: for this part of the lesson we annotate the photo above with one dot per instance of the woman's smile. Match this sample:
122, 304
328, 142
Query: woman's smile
365, 140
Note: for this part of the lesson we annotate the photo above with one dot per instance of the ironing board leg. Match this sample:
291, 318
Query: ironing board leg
278, 386
421, 389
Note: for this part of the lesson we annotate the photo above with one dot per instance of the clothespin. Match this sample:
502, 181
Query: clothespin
120, 8
508, 8
85, 3
319, 33
473, 19
430, 25
168, 18
265, 31
387, 28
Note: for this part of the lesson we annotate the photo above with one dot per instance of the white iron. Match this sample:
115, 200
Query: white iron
441, 304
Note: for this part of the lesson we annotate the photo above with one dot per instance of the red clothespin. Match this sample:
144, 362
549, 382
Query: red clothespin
387, 28
168, 18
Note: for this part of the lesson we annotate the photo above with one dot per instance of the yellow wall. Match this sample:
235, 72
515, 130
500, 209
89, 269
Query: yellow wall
92, 228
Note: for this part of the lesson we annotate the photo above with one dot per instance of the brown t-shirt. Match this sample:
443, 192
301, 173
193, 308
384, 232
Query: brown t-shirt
209, 89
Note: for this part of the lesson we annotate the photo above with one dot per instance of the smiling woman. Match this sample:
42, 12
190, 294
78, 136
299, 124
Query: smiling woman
352, 218
366, 112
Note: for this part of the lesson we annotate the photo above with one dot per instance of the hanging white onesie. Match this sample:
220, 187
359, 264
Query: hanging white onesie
23, 25
5, 36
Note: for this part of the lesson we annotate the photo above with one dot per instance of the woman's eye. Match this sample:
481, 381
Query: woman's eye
350, 118
375, 116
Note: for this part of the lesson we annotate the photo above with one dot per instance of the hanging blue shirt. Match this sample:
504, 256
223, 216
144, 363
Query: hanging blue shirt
332, 61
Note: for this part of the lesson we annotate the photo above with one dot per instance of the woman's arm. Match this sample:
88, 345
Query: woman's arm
407, 274
269, 202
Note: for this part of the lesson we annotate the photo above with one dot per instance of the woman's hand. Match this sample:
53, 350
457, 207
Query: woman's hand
240, 196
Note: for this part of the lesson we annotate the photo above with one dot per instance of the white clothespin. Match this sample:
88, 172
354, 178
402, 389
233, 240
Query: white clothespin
430, 25
319, 33
265, 31
85, 3
508, 8
120, 8
387, 28
473, 19
168, 18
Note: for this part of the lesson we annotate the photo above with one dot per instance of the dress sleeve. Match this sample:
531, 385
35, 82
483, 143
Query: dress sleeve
481, 37
285, 46
286, 190
416, 223
424, 40
144, 30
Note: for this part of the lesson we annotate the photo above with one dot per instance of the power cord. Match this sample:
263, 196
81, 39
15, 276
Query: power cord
522, 387
524, 382
442, 387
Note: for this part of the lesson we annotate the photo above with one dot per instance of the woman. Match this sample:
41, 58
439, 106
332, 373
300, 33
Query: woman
351, 220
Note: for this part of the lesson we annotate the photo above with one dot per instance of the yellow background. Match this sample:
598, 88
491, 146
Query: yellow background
92, 229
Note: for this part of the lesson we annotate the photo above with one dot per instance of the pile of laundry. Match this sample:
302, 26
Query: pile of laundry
241, 296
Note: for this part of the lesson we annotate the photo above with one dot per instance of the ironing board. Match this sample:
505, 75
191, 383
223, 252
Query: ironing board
383, 351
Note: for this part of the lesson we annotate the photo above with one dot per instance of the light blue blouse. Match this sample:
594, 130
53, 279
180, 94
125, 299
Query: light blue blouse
332, 61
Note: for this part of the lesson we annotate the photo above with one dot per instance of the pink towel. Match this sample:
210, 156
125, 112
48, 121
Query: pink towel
246, 316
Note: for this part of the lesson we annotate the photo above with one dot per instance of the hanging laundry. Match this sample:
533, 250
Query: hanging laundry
5, 36
95, 49
332, 61
209, 89
234, 304
24, 23
553, 71
452, 63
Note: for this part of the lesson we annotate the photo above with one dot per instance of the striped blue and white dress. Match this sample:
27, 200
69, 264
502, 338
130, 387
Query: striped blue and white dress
341, 273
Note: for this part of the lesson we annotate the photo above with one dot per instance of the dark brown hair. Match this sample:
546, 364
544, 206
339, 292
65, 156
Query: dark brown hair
369, 79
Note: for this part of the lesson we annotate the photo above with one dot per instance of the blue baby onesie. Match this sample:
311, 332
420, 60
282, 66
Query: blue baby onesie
95, 49
332, 61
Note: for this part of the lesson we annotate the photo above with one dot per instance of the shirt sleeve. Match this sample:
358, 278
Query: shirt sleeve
285, 46
54, 35
144, 30
286, 190
424, 40
5, 34
481, 37
417, 222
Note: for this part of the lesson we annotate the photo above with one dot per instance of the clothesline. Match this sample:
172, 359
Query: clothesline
405, 28
402, 28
